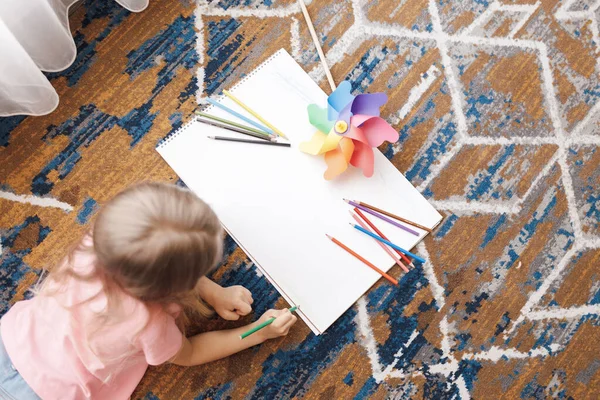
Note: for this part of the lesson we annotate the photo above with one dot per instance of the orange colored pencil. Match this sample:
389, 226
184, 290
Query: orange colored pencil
377, 231
355, 254
389, 214
383, 246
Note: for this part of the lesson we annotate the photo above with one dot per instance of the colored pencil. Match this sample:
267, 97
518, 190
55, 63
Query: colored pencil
261, 119
383, 246
377, 231
315, 40
231, 139
389, 214
240, 116
355, 254
232, 123
262, 136
395, 246
382, 217
261, 326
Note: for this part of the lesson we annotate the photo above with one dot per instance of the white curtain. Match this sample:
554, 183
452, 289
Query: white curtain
34, 36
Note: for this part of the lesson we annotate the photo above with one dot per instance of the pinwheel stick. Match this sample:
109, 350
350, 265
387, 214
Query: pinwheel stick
315, 39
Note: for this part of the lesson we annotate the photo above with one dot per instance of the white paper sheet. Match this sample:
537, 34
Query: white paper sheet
278, 207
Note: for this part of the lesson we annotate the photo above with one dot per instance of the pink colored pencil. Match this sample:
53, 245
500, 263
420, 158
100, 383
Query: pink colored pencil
383, 246
377, 231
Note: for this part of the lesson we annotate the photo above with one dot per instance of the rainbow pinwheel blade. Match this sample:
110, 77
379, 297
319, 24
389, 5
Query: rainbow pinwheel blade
339, 99
348, 129
317, 117
338, 160
368, 104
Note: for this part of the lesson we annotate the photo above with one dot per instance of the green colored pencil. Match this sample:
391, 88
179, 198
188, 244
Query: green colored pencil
266, 323
241, 126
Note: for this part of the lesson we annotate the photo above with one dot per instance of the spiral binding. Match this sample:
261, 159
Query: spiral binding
164, 141
167, 139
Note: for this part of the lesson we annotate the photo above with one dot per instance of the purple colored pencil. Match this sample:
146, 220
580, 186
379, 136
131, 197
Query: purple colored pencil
380, 216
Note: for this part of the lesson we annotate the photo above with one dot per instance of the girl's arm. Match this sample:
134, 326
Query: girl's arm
211, 346
207, 289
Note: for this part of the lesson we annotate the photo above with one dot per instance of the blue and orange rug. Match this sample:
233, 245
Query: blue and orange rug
498, 108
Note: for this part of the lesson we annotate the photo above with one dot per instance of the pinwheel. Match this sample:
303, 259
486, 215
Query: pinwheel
348, 129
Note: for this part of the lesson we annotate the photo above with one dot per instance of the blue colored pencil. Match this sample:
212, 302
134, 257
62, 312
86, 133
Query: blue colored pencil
240, 116
382, 240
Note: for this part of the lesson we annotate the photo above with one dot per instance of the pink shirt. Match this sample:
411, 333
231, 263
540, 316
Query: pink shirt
47, 342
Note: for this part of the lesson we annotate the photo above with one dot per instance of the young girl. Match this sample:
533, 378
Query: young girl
119, 302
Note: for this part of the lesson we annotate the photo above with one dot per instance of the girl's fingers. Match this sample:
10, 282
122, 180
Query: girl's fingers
271, 314
230, 315
282, 319
246, 291
248, 296
289, 324
243, 308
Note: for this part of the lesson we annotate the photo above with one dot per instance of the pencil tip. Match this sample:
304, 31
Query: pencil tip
211, 137
346, 200
329, 236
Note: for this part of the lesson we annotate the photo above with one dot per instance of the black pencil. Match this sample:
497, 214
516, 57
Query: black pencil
231, 139
235, 129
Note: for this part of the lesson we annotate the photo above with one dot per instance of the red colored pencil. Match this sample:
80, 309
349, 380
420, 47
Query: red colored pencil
377, 231
383, 246
355, 254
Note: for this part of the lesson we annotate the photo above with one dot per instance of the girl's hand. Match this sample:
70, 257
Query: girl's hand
232, 302
214, 345
284, 320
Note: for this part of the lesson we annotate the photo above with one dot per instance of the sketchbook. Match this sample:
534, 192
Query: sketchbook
276, 205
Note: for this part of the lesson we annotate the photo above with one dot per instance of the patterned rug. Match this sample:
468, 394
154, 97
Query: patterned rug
498, 108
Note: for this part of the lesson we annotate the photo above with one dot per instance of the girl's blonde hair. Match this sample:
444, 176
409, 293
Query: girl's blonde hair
154, 241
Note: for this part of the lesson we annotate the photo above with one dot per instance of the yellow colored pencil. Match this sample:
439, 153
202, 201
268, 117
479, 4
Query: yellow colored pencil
261, 119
